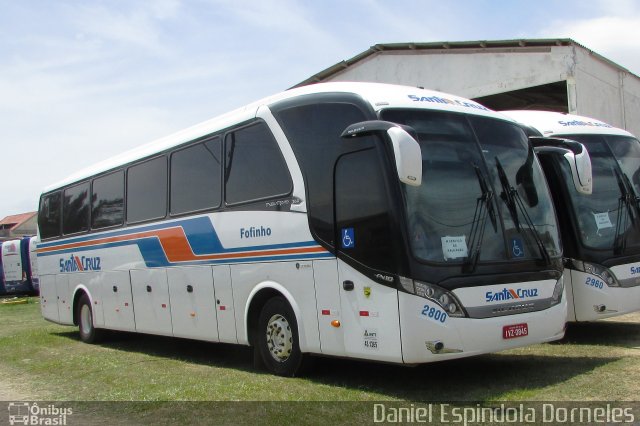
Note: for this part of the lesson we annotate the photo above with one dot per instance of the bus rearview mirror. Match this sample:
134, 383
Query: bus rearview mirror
406, 150
575, 154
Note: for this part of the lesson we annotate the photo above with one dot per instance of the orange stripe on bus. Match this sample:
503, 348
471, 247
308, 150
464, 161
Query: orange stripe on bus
177, 249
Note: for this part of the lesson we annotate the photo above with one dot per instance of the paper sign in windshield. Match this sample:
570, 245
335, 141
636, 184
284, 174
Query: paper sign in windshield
454, 247
602, 221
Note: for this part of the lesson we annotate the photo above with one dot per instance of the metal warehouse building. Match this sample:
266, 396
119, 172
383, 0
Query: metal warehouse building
555, 75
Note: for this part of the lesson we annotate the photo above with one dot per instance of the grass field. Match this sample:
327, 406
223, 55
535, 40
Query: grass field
43, 361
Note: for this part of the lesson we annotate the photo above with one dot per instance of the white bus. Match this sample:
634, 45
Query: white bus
312, 222
18, 265
15, 257
600, 231
32, 270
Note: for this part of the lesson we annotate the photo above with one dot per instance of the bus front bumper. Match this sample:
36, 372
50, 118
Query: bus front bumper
427, 338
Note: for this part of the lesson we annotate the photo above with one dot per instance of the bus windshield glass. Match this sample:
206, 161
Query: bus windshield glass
608, 218
483, 197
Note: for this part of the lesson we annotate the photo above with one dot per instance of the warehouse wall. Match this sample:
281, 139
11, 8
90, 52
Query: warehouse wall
598, 89
631, 94
470, 73
594, 87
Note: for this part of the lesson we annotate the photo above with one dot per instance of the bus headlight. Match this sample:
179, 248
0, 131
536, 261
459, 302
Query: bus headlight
439, 295
599, 271
444, 300
556, 297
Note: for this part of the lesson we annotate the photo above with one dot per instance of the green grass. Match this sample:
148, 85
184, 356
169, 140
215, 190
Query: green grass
44, 361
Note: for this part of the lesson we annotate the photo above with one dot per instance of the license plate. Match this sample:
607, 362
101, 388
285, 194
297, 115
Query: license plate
515, 330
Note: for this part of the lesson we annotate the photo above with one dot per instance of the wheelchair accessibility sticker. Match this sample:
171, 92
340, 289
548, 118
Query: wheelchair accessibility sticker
517, 249
348, 238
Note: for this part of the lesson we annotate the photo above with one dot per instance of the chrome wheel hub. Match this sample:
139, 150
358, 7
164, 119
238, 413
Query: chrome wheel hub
85, 319
279, 338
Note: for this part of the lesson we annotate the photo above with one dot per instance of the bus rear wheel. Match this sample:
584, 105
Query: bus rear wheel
278, 338
84, 314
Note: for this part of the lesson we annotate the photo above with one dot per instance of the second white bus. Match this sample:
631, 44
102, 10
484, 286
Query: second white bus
600, 231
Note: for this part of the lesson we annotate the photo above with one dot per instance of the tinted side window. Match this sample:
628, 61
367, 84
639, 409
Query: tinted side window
196, 177
75, 209
147, 190
107, 200
314, 133
255, 168
363, 220
49, 216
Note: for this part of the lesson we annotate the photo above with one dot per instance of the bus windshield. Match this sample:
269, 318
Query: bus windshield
608, 218
483, 196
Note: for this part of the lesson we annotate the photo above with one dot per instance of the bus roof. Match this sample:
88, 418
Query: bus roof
557, 124
378, 95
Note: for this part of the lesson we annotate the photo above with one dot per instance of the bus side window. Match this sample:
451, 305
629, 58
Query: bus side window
147, 190
254, 166
196, 177
363, 221
49, 216
75, 209
107, 200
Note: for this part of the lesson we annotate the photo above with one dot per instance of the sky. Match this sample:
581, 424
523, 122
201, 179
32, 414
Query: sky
82, 81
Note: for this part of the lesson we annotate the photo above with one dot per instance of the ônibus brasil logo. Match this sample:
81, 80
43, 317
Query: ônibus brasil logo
509, 293
79, 264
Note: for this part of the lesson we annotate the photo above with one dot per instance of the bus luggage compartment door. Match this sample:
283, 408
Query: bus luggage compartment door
193, 313
49, 298
224, 304
64, 299
117, 303
150, 291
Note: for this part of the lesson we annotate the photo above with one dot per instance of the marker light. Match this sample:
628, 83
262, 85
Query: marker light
335, 323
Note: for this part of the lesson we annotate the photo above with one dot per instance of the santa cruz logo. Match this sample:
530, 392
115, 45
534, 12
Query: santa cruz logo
509, 294
79, 264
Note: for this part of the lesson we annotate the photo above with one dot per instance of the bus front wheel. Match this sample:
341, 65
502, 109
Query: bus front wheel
278, 338
84, 314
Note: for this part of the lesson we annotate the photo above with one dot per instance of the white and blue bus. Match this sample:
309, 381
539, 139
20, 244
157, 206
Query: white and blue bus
19, 265
357, 220
600, 231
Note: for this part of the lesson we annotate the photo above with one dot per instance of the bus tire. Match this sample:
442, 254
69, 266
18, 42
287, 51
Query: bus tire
278, 338
88, 333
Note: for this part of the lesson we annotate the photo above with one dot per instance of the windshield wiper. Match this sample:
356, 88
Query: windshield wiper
484, 209
627, 206
514, 203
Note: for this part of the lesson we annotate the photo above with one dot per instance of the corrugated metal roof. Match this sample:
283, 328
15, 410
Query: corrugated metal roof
452, 45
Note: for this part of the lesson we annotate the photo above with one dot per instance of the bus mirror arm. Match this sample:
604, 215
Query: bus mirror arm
580, 165
576, 147
406, 150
